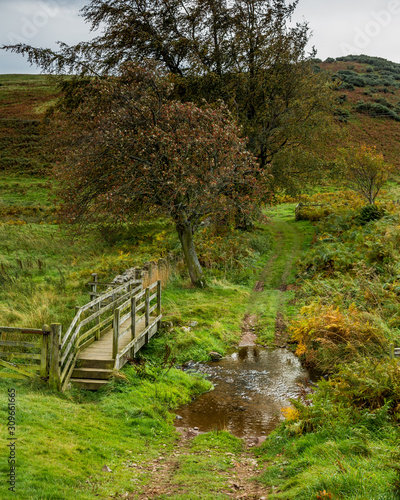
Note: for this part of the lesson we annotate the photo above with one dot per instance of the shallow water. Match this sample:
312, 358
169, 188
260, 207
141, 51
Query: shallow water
252, 385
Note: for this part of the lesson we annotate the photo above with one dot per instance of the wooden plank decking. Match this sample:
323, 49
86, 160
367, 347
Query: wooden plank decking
102, 349
95, 363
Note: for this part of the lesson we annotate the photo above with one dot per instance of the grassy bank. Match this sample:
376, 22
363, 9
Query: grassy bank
64, 441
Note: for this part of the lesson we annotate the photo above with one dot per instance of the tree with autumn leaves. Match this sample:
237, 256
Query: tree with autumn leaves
128, 150
134, 143
364, 170
244, 52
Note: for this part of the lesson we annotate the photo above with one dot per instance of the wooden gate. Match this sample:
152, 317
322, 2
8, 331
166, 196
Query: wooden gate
24, 352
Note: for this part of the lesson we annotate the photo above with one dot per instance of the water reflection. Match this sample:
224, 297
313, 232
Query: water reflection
251, 384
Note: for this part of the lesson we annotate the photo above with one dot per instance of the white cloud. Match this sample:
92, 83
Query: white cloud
340, 27
353, 26
40, 23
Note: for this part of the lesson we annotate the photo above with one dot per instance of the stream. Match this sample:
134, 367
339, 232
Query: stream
251, 386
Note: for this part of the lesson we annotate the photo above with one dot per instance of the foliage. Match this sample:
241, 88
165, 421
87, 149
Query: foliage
332, 450
341, 441
227, 253
312, 212
357, 264
131, 151
377, 109
369, 213
373, 384
327, 336
365, 170
244, 52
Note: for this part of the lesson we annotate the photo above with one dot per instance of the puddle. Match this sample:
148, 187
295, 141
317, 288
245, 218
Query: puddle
252, 384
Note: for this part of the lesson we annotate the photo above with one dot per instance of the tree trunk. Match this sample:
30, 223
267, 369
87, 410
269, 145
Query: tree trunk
185, 233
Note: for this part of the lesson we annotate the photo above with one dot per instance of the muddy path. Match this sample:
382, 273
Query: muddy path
270, 300
237, 474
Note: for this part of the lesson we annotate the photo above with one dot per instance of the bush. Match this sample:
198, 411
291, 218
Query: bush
342, 114
368, 383
376, 110
328, 337
346, 86
369, 213
312, 212
384, 102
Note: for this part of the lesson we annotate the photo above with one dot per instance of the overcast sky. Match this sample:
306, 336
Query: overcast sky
340, 27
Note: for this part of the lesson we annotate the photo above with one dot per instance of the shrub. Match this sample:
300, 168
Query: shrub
328, 337
384, 102
342, 114
346, 86
369, 383
369, 213
312, 212
376, 110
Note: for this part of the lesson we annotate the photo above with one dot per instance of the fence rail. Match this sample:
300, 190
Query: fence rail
16, 350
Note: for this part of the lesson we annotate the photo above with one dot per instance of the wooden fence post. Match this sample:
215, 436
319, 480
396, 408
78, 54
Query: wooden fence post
55, 348
391, 351
44, 352
117, 316
97, 334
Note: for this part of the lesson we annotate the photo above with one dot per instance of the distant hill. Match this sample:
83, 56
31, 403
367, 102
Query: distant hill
368, 100
367, 106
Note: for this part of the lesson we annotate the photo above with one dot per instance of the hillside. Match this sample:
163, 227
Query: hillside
23, 100
368, 101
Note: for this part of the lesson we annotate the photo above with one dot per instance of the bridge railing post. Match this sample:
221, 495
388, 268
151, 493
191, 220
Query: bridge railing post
158, 310
55, 350
93, 287
117, 317
147, 307
133, 318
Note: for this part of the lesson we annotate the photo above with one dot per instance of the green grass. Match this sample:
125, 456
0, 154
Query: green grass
25, 191
64, 441
44, 267
202, 471
288, 239
340, 459
345, 444
218, 311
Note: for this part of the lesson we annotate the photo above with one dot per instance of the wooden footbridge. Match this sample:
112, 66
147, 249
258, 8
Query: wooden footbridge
104, 334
